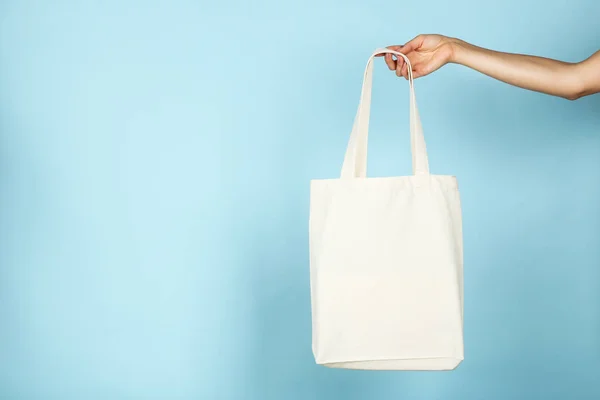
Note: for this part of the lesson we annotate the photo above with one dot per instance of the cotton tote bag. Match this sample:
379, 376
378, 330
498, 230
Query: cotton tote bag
386, 259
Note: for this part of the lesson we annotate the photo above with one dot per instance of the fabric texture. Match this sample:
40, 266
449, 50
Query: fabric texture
386, 259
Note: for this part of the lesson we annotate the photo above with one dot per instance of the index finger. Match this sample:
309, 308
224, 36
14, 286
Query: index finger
395, 48
389, 60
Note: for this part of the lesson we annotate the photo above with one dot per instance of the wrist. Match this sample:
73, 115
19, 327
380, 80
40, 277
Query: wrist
457, 50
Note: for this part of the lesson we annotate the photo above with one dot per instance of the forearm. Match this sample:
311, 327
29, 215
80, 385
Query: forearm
529, 72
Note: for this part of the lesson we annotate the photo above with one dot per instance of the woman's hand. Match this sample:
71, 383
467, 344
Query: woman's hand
427, 53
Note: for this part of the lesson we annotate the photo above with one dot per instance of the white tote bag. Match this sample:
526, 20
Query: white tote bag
386, 259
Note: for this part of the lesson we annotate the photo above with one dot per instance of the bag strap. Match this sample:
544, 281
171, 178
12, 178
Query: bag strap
355, 160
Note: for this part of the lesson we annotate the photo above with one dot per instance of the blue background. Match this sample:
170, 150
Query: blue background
154, 168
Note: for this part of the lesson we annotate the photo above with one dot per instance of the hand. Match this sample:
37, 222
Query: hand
427, 53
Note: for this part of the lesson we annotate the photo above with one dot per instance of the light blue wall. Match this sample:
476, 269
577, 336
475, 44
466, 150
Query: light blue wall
154, 169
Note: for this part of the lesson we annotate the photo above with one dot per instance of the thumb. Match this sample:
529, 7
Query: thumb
414, 44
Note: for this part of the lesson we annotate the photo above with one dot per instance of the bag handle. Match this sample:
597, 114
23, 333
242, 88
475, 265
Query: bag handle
355, 160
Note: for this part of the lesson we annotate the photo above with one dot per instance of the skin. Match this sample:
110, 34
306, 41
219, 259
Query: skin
428, 53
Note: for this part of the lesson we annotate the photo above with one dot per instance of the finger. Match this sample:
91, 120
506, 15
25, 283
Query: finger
399, 64
399, 67
405, 71
391, 63
413, 63
389, 58
414, 44
395, 48
393, 56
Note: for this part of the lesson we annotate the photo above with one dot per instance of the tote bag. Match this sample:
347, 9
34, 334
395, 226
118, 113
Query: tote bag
386, 259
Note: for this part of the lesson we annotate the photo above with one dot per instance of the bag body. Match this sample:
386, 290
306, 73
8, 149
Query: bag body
386, 259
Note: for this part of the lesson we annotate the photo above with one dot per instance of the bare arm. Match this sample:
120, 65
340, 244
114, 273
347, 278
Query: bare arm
428, 53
